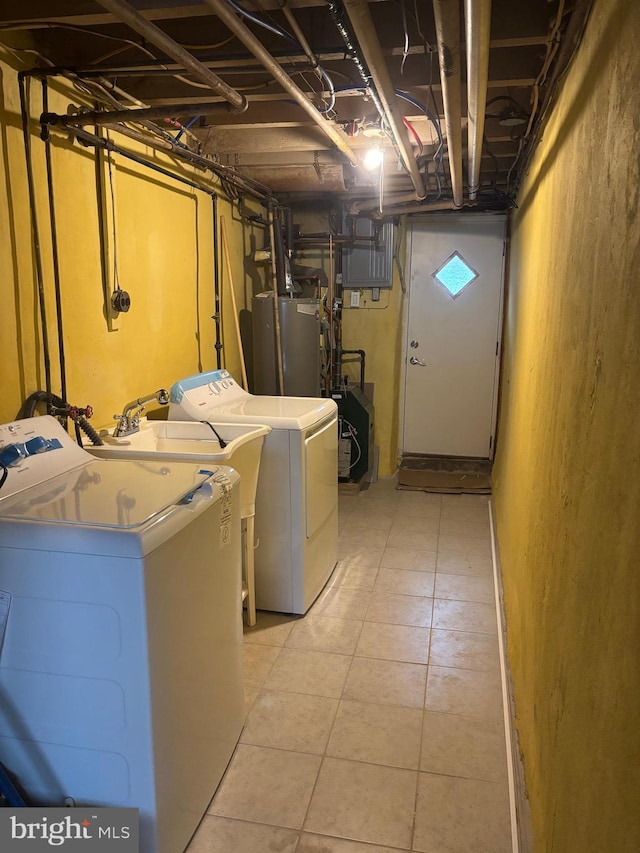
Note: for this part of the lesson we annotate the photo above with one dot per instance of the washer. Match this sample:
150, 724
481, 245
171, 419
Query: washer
297, 499
120, 673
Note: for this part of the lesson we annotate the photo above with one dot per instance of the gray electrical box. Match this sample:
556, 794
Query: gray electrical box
369, 263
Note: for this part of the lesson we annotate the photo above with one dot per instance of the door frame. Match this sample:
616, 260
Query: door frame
421, 220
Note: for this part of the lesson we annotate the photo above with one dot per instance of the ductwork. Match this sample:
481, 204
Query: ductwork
239, 29
365, 32
447, 18
153, 34
478, 33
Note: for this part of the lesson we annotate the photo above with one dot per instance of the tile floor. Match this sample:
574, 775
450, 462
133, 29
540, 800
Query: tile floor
375, 722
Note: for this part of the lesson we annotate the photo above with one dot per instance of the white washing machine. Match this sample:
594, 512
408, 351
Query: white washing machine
297, 499
120, 671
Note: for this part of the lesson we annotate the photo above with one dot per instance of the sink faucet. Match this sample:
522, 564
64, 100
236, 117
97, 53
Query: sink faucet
129, 421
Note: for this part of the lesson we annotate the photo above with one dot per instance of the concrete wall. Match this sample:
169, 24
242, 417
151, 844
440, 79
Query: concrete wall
163, 238
567, 474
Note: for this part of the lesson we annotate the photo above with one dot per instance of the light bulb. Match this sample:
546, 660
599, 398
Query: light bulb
373, 158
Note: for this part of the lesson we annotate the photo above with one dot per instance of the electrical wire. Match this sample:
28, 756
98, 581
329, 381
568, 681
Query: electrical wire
5, 474
221, 441
116, 280
280, 31
405, 48
413, 133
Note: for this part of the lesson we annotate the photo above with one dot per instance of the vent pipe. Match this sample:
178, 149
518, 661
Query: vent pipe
255, 46
478, 31
365, 32
153, 34
447, 18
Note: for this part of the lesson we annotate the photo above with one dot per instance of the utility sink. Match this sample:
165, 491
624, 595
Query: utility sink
192, 441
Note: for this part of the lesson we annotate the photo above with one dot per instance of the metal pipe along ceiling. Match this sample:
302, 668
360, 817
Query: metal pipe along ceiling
364, 30
239, 29
132, 18
447, 17
478, 32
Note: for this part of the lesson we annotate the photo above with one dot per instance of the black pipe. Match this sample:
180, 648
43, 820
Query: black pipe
35, 233
94, 141
54, 249
245, 184
96, 117
216, 283
107, 145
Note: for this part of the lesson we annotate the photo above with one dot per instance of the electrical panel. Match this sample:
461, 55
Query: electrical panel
369, 262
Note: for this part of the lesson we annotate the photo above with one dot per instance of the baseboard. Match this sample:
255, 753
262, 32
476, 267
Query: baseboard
521, 832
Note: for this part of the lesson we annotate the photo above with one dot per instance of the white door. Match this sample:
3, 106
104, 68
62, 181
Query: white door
453, 335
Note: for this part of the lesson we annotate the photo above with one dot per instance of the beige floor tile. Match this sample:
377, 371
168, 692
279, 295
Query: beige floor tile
325, 634
465, 588
222, 835
314, 673
350, 576
415, 541
399, 609
460, 562
257, 661
480, 545
363, 802
411, 524
292, 721
358, 555
370, 518
250, 696
464, 650
386, 682
406, 558
342, 603
271, 629
465, 616
465, 528
322, 844
378, 734
459, 514
453, 745
464, 691
370, 535
405, 582
461, 816
248, 791
420, 504
393, 642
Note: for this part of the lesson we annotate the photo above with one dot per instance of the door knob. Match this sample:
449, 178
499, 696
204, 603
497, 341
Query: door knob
414, 360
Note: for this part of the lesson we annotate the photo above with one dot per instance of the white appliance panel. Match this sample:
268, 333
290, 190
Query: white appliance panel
296, 553
321, 475
120, 673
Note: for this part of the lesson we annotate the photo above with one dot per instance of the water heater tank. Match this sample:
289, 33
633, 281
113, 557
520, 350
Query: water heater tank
300, 340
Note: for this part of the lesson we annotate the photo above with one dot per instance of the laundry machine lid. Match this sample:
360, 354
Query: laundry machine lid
114, 493
217, 397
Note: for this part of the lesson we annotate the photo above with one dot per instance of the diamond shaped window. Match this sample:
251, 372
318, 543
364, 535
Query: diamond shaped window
455, 274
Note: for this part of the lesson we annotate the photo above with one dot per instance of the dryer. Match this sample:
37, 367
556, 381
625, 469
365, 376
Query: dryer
296, 518
120, 673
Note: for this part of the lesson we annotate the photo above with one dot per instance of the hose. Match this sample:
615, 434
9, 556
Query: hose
30, 405
89, 431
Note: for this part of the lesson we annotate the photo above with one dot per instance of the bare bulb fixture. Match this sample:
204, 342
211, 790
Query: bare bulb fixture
373, 158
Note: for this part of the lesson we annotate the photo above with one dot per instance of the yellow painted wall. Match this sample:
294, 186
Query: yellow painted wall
375, 327
567, 484
165, 261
